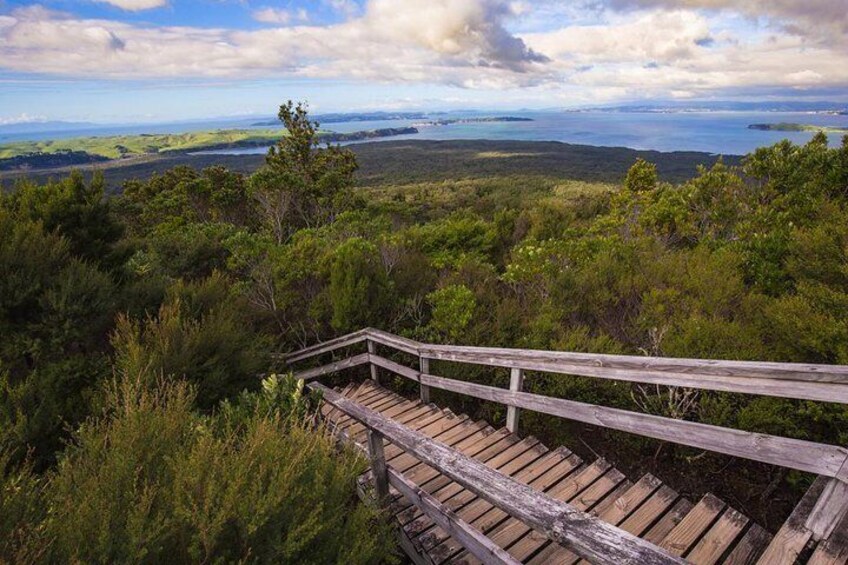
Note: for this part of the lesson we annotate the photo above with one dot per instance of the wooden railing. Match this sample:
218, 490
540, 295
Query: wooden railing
788, 380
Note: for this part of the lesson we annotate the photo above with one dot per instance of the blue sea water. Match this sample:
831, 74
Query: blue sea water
724, 133
714, 132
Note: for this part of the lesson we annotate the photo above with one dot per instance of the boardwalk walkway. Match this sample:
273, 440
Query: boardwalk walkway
705, 531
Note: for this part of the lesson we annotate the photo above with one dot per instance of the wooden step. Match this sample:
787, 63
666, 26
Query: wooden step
705, 533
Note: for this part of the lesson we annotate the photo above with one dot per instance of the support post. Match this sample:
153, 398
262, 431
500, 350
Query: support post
516, 383
378, 467
424, 367
372, 349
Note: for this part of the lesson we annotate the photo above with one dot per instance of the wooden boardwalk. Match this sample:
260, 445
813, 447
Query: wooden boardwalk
705, 532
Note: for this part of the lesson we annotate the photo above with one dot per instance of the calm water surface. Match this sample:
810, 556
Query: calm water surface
713, 132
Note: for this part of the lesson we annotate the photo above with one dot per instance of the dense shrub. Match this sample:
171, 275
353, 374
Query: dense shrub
151, 480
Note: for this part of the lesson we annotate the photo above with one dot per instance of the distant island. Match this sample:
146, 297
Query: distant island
449, 122
81, 150
785, 126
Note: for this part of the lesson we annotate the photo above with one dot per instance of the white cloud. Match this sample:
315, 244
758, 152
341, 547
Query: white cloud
821, 19
467, 43
23, 118
136, 5
279, 16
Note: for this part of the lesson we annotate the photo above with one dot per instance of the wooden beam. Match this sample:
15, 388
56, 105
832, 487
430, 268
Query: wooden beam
378, 467
586, 535
829, 510
791, 382
824, 383
391, 340
695, 367
516, 384
424, 366
326, 346
372, 350
354, 361
472, 539
796, 454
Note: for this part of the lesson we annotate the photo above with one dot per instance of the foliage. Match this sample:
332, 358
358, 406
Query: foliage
151, 480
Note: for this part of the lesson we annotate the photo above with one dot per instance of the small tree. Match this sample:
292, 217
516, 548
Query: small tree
302, 184
360, 291
641, 177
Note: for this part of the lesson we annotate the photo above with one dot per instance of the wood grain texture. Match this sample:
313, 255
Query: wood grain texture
334, 367
586, 535
787, 380
796, 454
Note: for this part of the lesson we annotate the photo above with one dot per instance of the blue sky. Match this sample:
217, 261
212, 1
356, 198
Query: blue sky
156, 60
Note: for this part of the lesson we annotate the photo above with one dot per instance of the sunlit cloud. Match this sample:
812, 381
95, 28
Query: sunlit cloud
625, 48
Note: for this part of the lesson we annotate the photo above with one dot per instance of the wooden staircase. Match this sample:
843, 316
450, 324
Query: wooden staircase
464, 492
704, 533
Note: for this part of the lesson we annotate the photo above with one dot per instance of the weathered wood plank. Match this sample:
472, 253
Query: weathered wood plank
668, 521
788, 380
792, 538
327, 346
529, 539
602, 488
372, 350
750, 547
504, 357
391, 340
486, 517
516, 384
475, 541
829, 510
718, 539
834, 550
453, 496
334, 367
588, 536
650, 512
423, 390
796, 454
693, 525
378, 467
430, 535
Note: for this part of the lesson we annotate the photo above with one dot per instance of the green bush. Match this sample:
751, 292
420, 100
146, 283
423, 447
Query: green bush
150, 480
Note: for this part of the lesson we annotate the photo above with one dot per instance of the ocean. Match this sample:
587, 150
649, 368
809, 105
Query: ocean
716, 132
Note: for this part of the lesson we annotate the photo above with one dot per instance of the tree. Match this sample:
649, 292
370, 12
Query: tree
302, 184
360, 291
641, 177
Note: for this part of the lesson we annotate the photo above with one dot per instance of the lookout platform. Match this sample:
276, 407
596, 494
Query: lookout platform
463, 491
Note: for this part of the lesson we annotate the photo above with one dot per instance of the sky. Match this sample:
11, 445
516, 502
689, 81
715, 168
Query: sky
122, 61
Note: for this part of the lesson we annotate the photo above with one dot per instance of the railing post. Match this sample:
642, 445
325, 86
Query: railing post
378, 467
372, 349
516, 383
424, 367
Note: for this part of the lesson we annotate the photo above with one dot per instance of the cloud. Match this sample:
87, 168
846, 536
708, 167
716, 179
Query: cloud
453, 41
136, 5
641, 52
822, 19
23, 118
279, 16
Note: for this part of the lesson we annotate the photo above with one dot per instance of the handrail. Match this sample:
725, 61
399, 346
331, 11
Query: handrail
586, 535
787, 380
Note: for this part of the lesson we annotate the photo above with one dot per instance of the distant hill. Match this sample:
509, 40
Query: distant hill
409, 161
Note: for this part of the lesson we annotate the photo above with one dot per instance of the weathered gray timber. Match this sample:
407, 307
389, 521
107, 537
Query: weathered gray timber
586, 535
820, 520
